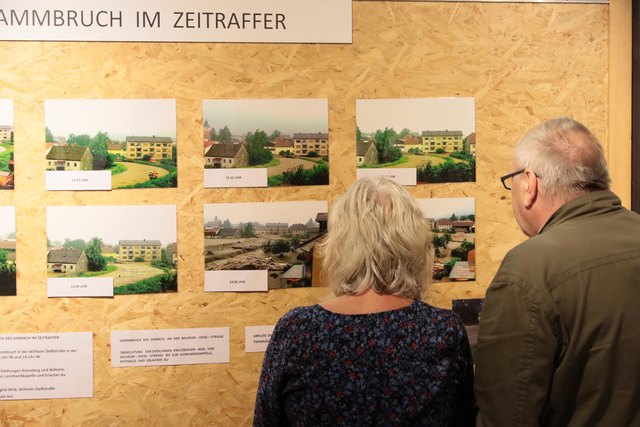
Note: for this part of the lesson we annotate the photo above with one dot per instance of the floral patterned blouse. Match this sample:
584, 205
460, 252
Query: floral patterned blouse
406, 367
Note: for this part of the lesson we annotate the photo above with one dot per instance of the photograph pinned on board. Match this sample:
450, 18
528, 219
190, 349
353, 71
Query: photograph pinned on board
416, 140
104, 144
265, 142
7, 165
132, 247
7, 250
262, 246
453, 227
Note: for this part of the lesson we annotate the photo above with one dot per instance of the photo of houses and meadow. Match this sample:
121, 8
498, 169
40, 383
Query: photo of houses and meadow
135, 245
277, 236
133, 138
6, 144
7, 250
434, 136
453, 227
288, 137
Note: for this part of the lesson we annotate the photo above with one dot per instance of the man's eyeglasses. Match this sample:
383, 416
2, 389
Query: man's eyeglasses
506, 180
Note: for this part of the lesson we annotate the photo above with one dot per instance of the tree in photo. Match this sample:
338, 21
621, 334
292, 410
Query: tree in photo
48, 135
462, 251
96, 262
224, 135
256, 142
385, 140
77, 244
275, 134
248, 231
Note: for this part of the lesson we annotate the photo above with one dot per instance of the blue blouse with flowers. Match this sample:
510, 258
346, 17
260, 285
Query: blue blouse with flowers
404, 367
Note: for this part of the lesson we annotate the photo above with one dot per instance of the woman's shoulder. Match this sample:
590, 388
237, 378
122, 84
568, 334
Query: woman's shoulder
440, 318
298, 316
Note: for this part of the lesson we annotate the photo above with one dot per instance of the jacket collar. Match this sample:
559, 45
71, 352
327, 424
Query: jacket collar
591, 204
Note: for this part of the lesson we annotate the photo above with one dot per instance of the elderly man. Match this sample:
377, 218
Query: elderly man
559, 338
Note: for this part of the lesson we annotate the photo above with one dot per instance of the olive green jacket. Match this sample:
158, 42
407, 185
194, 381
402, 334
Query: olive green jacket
559, 337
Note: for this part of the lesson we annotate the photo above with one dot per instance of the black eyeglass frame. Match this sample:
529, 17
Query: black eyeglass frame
504, 179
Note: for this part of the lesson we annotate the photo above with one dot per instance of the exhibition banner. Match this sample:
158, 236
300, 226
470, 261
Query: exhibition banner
267, 21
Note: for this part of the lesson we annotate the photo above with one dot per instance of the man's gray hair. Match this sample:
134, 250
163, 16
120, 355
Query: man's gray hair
378, 239
566, 157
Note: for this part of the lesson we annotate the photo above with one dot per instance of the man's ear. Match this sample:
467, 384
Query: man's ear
530, 188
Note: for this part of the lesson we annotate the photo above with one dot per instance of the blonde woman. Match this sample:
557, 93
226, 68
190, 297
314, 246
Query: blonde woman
375, 354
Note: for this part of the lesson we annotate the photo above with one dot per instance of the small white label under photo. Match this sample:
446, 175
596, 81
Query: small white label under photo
235, 177
79, 287
256, 338
236, 280
78, 180
402, 176
192, 346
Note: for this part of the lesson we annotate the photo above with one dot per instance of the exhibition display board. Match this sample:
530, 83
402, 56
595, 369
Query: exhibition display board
519, 63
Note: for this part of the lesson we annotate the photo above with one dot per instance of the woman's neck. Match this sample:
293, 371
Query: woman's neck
365, 303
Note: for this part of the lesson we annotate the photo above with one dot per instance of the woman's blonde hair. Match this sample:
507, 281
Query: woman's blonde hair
378, 239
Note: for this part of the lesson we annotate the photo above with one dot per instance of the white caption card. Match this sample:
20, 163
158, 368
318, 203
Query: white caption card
46, 365
80, 287
236, 280
402, 176
78, 180
256, 338
233, 177
169, 347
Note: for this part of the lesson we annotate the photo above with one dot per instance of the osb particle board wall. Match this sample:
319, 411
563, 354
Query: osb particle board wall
522, 62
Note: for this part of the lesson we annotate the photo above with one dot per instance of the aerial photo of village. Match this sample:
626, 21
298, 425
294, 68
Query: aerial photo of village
7, 250
6, 144
134, 245
453, 227
277, 236
288, 137
434, 136
133, 138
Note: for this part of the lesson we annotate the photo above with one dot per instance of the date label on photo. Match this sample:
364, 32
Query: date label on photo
256, 338
190, 346
78, 180
402, 176
80, 287
236, 280
231, 177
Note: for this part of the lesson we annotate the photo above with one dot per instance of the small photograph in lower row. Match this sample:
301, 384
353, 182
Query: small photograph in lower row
453, 226
7, 250
107, 250
262, 246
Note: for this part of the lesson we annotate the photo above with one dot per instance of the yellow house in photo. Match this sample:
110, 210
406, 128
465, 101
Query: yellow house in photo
304, 143
156, 147
447, 140
148, 250
6, 133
